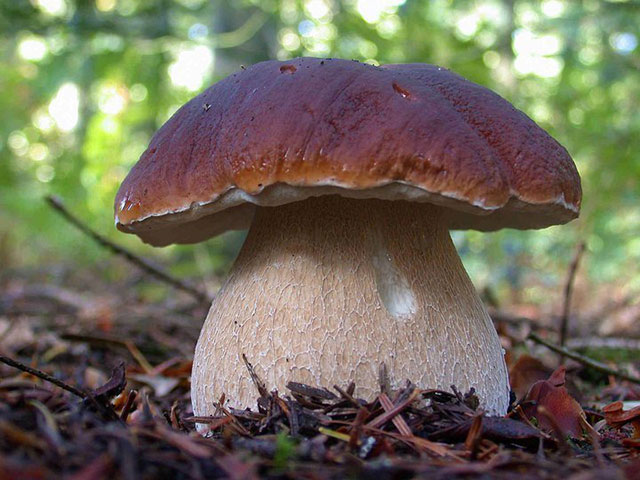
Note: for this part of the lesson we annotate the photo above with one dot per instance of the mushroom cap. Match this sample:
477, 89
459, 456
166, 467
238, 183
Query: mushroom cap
280, 132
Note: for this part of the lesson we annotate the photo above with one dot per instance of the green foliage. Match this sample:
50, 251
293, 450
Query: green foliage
85, 84
618, 355
285, 451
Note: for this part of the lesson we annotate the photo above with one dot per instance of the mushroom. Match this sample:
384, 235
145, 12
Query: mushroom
349, 177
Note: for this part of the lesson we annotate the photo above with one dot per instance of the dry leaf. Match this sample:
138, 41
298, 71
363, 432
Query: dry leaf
525, 372
616, 417
554, 397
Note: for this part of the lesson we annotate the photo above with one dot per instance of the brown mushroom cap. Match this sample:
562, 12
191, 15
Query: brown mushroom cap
280, 132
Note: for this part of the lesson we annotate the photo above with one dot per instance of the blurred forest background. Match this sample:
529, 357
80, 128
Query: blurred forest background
85, 83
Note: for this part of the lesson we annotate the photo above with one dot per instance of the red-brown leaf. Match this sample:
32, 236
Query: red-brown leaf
553, 396
525, 372
616, 417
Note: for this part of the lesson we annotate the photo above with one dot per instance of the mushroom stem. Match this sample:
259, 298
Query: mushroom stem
326, 289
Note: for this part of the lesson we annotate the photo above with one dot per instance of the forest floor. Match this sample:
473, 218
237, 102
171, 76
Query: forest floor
122, 407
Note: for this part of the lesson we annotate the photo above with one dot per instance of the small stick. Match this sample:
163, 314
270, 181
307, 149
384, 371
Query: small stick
383, 378
390, 414
474, 435
398, 421
603, 342
595, 443
499, 316
262, 390
137, 354
568, 290
141, 263
126, 410
43, 376
589, 362
347, 396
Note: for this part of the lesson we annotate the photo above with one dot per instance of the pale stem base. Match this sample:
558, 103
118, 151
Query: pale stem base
327, 289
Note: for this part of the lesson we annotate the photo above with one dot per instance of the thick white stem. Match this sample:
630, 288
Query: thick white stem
327, 289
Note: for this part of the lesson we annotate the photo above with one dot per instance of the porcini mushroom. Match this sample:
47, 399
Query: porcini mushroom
349, 177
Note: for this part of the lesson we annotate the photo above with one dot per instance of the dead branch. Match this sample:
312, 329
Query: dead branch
499, 316
44, 376
139, 262
604, 342
589, 362
568, 290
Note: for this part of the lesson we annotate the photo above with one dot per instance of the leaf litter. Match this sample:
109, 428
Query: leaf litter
127, 412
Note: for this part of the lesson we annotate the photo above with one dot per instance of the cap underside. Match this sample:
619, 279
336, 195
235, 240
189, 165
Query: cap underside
234, 210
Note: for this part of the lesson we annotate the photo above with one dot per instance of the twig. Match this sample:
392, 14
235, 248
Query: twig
398, 421
390, 414
262, 390
126, 410
474, 435
589, 362
433, 447
604, 342
347, 396
141, 263
568, 289
383, 378
43, 376
499, 316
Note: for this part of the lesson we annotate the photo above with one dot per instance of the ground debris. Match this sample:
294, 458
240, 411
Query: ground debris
130, 416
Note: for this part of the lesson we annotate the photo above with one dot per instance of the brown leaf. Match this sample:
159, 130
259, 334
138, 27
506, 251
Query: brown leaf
525, 372
114, 386
557, 378
554, 397
616, 417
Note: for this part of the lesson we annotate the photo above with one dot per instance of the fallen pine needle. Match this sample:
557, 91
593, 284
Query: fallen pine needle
332, 433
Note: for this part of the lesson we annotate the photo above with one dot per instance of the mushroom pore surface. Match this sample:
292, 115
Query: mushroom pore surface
326, 289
